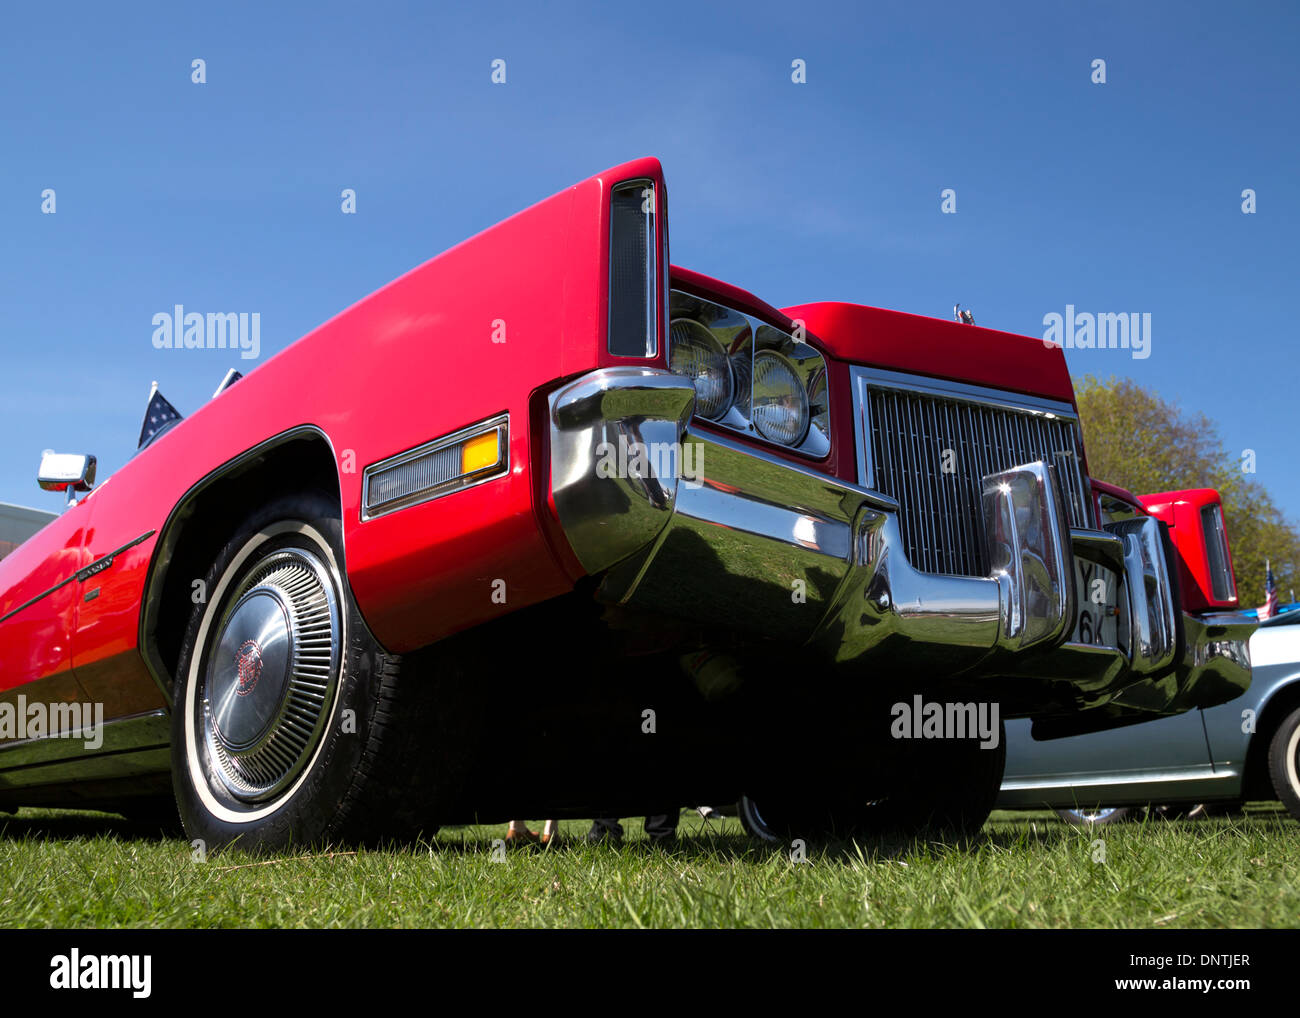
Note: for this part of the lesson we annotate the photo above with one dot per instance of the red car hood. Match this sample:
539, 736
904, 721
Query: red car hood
931, 346
897, 341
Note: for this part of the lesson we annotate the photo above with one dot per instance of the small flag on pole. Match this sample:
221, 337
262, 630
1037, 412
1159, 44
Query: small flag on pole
232, 376
1269, 608
158, 416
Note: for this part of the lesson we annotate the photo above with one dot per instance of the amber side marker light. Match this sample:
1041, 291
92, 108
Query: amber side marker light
480, 453
452, 463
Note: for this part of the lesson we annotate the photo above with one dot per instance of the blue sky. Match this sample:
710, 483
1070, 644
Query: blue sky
224, 196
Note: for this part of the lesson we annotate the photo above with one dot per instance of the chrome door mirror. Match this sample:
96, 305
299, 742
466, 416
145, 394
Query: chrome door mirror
61, 471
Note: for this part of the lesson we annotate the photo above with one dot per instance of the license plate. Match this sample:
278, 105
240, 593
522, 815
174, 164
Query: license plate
1098, 590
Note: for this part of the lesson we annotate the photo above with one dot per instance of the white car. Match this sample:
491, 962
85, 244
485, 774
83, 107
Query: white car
1245, 749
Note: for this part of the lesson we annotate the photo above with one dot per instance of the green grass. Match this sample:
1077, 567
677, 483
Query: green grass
65, 869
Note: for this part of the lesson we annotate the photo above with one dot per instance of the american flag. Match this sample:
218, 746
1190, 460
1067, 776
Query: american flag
1269, 607
157, 415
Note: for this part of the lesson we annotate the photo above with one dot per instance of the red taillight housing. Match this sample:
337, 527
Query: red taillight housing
1196, 525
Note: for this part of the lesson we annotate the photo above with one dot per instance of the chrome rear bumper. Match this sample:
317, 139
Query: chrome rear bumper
689, 523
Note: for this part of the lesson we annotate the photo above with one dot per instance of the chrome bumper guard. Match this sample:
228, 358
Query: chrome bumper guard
697, 525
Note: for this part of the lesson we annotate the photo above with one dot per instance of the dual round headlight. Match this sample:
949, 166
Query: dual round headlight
697, 354
780, 402
770, 395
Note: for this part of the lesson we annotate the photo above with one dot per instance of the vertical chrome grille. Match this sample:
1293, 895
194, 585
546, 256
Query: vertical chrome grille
930, 450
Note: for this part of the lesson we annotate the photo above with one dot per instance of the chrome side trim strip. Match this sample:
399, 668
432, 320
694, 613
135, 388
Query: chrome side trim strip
150, 730
1057, 791
85, 573
79, 771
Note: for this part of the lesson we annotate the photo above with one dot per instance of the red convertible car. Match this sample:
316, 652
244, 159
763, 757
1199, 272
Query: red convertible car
549, 526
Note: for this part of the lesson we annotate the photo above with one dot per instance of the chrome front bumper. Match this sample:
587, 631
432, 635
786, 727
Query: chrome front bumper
688, 523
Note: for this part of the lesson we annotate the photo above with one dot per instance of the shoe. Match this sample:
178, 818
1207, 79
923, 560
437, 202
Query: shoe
601, 834
524, 837
661, 828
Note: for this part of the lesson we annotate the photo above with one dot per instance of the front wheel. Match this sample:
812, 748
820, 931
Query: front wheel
282, 709
1284, 762
755, 824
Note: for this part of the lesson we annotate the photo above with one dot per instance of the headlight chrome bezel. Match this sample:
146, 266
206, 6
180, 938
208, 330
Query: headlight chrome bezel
744, 339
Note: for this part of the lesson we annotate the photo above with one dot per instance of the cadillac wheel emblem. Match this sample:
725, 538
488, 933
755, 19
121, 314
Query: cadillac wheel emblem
249, 663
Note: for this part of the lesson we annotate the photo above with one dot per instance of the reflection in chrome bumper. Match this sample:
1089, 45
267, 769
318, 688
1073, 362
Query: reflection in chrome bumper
750, 542
606, 519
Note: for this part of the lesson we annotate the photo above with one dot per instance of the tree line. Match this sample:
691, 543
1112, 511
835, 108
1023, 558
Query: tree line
1140, 442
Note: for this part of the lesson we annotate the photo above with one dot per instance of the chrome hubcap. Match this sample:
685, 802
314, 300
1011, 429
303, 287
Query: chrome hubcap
272, 674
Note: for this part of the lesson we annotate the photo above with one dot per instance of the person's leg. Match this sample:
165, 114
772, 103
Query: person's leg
605, 829
662, 826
